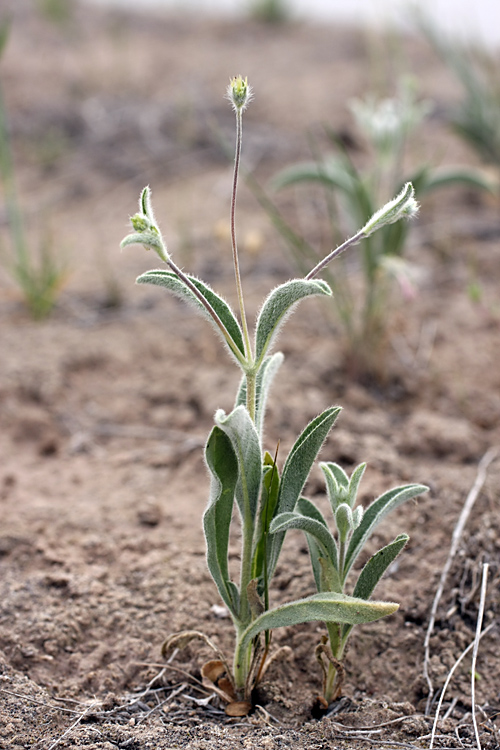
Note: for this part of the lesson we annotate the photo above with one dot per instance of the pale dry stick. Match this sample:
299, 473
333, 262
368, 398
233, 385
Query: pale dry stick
172, 695
448, 680
486, 460
479, 625
75, 724
39, 703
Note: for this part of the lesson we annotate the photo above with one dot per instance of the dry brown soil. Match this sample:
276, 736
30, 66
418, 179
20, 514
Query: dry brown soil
105, 406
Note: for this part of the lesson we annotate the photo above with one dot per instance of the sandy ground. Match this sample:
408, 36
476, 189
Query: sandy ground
106, 405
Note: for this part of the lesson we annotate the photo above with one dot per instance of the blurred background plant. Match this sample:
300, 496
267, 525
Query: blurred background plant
38, 278
270, 11
364, 301
477, 118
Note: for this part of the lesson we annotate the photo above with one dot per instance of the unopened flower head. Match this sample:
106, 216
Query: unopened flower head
403, 206
240, 93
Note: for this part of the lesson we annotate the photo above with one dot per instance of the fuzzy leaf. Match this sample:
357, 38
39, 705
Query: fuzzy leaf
374, 570
297, 467
354, 482
245, 443
377, 565
170, 281
326, 607
307, 508
278, 305
150, 239
343, 521
223, 466
375, 513
337, 483
311, 526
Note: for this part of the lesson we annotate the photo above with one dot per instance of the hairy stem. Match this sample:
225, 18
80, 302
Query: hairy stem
335, 253
239, 289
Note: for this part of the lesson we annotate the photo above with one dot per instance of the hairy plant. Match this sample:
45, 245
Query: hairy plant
242, 472
333, 556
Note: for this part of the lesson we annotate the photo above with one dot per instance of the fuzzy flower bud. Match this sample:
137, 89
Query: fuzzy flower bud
140, 222
404, 206
239, 93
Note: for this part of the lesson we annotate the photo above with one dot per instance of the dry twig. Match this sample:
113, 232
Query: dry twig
488, 457
475, 650
75, 723
448, 680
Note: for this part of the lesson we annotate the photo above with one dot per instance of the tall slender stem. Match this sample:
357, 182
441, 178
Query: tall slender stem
239, 289
335, 253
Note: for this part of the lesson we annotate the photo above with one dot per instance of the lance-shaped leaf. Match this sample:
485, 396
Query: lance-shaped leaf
265, 377
374, 570
310, 526
332, 172
374, 514
354, 482
296, 470
450, 176
223, 466
170, 281
269, 499
377, 565
326, 607
246, 445
307, 508
278, 305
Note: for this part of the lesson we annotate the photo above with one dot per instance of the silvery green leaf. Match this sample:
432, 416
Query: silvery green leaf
297, 467
310, 526
326, 606
171, 281
145, 204
337, 483
403, 206
377, 565
265, 377
338, 472
374, 570
343, 520
223, 466
246, 445
307, 508
147, 238
357, 516
354, 482
375, 513
278, 305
